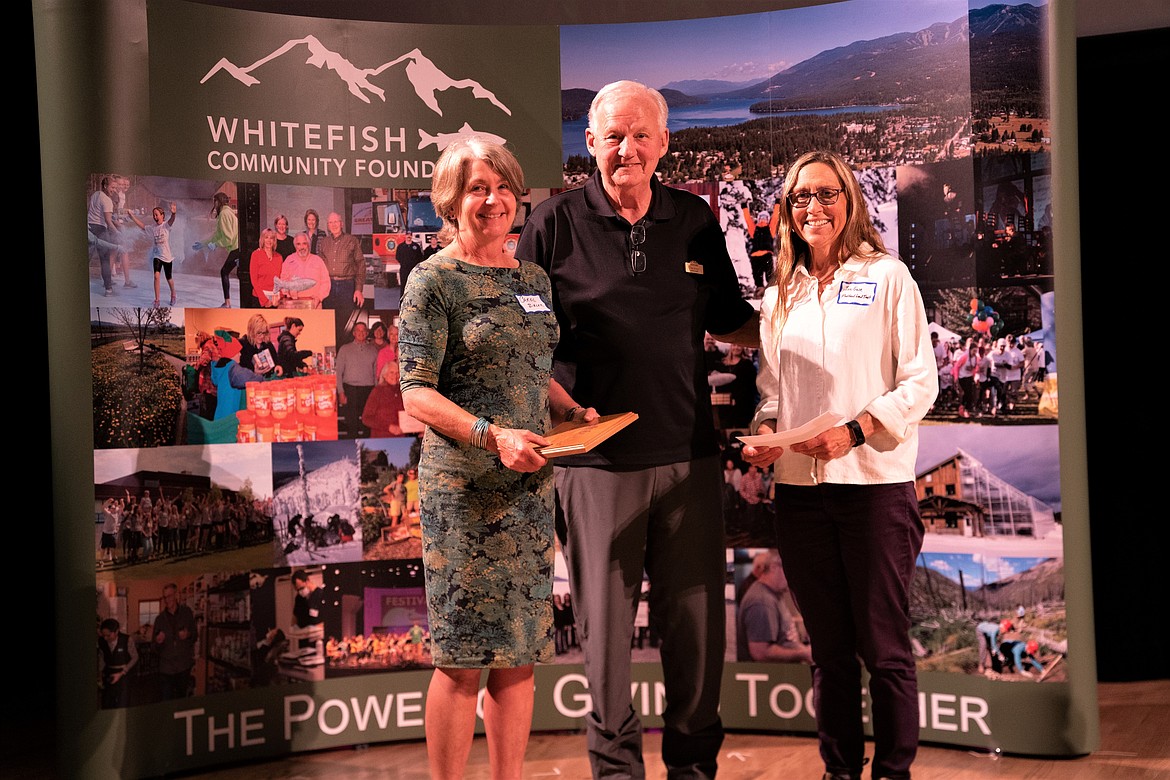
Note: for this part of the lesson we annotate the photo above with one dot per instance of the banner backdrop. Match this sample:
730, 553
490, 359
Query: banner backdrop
194, 128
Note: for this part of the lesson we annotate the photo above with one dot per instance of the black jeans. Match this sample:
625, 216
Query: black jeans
849, 552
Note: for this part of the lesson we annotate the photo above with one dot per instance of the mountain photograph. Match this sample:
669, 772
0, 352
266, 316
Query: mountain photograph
913, 97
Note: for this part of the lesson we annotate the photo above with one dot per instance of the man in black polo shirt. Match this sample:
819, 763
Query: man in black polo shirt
639, 272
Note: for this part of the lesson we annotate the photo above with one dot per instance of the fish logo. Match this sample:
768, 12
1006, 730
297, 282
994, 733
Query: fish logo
294, 284
443, 140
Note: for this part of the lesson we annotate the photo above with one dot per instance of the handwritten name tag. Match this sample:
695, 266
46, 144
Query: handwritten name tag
532, 303
857, 293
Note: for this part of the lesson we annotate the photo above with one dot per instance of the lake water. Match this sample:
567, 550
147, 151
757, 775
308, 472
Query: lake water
716, 113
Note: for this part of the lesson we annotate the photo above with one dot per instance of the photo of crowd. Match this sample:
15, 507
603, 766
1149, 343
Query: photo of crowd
267, 316
187, 508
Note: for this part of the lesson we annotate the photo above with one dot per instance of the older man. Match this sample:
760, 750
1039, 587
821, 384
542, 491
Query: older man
342, 254
767, 623
175, 634
304, 265
629, 257
356, 362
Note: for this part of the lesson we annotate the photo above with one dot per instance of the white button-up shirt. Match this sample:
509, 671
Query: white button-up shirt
861, 346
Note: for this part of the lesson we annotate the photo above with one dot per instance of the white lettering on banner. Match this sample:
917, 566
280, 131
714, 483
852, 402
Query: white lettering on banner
288, 165
410, 704
795, 701
342, 717
246, 726
253, 162
299, 709
309, 136
792, 696
583, 700
935, 710
295, 147
939, 709
646, 697
641, 700
394, 169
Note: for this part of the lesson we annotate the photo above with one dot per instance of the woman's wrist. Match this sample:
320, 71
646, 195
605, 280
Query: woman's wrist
480, 433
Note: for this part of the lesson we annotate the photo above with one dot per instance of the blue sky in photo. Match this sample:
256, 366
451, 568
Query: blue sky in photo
1025, 456
397, 448
285, 457
978, 569
745, 48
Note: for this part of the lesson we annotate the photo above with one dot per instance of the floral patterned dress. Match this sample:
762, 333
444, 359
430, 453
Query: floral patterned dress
483, 338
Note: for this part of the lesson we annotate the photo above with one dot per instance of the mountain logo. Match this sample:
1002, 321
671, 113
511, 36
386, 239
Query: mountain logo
427, 78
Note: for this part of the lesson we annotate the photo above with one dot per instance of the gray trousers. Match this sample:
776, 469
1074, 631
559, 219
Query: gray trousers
667, 521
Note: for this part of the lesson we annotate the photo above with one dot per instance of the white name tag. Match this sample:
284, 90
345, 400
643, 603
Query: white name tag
532, 303
857, 293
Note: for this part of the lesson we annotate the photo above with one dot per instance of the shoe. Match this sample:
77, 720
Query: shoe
130, 284
156, 303
109, 291
172, 300
225, 305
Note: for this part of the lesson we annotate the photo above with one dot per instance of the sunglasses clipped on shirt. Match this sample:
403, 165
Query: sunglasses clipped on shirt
826, 196
637, 256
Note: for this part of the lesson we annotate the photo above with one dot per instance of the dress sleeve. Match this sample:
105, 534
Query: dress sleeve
423, 330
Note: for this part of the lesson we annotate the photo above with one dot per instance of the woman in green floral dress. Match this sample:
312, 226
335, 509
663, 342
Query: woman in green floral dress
476, 337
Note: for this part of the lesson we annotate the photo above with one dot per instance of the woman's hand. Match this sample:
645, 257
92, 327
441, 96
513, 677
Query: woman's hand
580, 414
829, 445
761, 456
517, 448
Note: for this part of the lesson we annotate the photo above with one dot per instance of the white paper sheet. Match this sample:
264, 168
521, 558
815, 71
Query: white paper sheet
811, 428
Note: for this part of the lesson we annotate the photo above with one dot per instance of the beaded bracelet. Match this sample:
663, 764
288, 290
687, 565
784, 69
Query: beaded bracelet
479, 433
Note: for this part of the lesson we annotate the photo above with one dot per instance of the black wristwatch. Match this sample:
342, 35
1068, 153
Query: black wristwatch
855, 432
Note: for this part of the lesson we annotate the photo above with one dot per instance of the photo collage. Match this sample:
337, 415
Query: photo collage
256, 512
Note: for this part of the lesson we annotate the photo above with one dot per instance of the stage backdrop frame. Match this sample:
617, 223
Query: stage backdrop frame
92, 63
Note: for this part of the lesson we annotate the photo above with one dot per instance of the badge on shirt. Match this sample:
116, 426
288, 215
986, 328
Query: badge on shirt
693, 267
532, 303
857, 293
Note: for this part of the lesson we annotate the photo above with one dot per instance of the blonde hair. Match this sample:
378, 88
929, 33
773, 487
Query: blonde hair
257, 327
451, 172
792, 250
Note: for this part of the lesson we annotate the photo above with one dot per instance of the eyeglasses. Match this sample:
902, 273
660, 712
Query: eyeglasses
826, 196
637, 238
